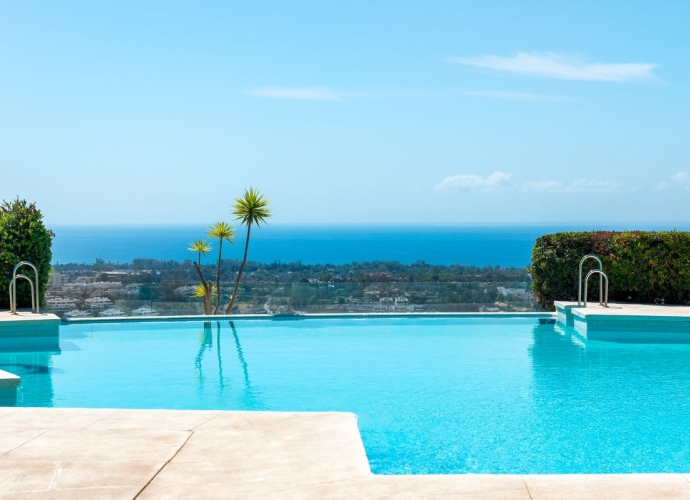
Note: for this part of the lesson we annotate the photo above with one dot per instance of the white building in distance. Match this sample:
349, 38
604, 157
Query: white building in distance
77, 313
59, 304
112, 312
145, 311
98, 302
57, 280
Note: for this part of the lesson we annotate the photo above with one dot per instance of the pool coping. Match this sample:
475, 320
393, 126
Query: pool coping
146, 454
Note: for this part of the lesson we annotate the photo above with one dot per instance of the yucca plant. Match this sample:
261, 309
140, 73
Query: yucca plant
201, 247
250, 209
206, 290
200, 290
222, 231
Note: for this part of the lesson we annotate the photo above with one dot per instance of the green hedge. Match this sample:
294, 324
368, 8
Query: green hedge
642, 266
23, 237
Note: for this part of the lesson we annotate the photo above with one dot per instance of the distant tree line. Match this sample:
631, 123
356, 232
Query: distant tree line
170, 271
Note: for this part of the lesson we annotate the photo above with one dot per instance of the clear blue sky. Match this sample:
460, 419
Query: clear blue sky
389, 111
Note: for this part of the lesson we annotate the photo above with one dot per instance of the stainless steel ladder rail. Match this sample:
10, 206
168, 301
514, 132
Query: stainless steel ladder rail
579, 285
35, 294
13, 300
603, 277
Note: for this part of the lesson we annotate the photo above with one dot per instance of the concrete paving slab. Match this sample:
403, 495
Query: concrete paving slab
53, 418
11, 438
270, 435
81, 453
162, 420
474, 487
607, 486
6, 410
101, 445
214, 480
73, 494
239, 419
70, 479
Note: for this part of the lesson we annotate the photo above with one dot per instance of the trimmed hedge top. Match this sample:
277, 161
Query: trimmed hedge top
642, 266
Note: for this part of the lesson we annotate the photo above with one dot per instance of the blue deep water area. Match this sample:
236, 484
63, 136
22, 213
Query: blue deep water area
505, 246
432, 395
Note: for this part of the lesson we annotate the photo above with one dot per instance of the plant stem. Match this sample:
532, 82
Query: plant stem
239, 275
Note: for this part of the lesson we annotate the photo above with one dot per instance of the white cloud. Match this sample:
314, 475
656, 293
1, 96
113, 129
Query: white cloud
501, 181
543, 186
506, 94
473, 182
576, 186
562, 66
595, 186
302, 94
681, 179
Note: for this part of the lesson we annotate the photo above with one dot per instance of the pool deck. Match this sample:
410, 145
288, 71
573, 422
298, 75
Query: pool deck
627, 322
28, 324
153, 454
619, 309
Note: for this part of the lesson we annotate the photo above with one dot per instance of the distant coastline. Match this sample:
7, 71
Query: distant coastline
506, 246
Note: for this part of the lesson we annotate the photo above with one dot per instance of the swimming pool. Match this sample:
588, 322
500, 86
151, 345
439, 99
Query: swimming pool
432, 395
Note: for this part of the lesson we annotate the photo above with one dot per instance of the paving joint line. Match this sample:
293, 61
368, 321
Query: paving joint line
207, 421
25, 442
103, 418
163, 466
529, 493
9, 412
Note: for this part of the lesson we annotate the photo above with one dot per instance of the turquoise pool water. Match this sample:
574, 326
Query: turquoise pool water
433, 395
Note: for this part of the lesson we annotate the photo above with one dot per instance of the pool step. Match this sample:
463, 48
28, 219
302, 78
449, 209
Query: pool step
27, 324
8, 388
645, 323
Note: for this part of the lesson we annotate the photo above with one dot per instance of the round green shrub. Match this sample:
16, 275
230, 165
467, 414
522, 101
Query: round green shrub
23, 237
642, 266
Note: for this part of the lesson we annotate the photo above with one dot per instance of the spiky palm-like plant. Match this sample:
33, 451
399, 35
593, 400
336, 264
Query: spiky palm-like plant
250, 209
200, 290
206, 290
222, 231
201, 247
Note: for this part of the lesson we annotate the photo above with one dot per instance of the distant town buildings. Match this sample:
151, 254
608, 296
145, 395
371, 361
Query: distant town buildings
75, 292
70, 298
60, 304
98, 302
519, 293
145, 311
77, 313
57, 280
112, 312
86, 279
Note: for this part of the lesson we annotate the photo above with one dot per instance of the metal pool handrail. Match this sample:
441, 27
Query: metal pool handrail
13, 288
605, 303
579, 280
35, 299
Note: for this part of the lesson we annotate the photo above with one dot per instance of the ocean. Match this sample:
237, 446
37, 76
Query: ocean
505, 246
